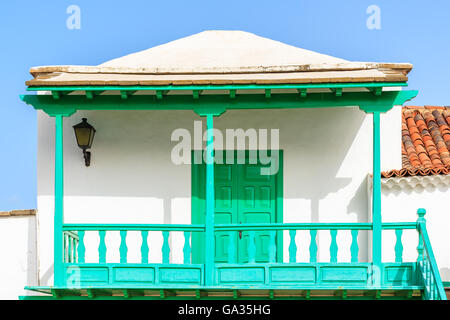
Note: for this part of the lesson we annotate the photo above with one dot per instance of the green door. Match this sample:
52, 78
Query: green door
242, 195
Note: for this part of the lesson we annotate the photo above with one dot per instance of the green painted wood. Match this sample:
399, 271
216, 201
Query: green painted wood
59, 205
242, 196
70, 249
272, 247
133, 227
165, 247
102, 247
333, 246
232, 249
123, 249
251, 247
65, 248
258, 201
292, 246
432, 277
313, 246
81, 248
209, 219
187, 248
354, 248
376, 200
217, 104
144, 246
398, 246
294, 226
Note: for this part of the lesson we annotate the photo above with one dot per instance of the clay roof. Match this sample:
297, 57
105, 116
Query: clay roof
425, 142
221, 57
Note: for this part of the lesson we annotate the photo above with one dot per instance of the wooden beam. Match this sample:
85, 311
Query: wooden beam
365, 100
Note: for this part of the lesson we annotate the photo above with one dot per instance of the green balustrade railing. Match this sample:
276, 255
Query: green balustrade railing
426, 274
434, 288
75, 246
272, 230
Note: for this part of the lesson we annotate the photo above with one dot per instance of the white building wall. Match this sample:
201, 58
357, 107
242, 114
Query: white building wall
18, 252
400, 204
327, 156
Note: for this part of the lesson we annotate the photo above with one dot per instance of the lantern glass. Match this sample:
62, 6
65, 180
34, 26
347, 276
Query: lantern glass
84, 133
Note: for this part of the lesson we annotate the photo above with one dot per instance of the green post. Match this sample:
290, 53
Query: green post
209, 221
376, 201
59, 191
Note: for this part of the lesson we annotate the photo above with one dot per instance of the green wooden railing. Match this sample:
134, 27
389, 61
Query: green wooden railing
74, 245
70, 246
434, 288
251, 231
75, 250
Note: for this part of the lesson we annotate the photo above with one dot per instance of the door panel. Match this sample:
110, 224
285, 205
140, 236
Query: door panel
242, 195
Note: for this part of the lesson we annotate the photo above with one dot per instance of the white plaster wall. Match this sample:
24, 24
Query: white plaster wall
401, 204
327, 155
18, 252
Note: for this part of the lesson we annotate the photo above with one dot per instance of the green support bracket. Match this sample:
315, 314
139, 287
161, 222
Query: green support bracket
58, 94
337, 91
302, 92
124, 94
268, 93
90, 293
232, 93
235, 294
55, 294
126, 294
198, 294
196, 93
308, 294
376, 90
161, 93
162, 294
271, 294
90, 94
378, 294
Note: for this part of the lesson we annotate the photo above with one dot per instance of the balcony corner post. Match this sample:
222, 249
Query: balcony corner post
376, 202
209, 221
59, 205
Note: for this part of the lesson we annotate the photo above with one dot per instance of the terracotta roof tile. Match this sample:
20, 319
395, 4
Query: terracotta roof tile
425, 142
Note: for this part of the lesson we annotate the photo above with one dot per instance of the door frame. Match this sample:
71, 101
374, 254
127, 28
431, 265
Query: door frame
197, 244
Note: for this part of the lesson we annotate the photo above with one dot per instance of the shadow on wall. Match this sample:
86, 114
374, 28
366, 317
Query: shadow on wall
131, 154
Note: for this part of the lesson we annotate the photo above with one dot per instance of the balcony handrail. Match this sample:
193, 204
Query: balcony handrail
71, 234
133, 227
292, 226
312, 226
438, 285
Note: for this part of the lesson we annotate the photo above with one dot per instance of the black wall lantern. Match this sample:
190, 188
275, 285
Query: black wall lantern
84, 133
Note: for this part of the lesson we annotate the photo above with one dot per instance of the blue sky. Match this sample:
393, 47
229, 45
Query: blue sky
35, 33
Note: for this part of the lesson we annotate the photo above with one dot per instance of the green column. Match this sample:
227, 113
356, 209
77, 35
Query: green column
376, 200
59, 191
209, 221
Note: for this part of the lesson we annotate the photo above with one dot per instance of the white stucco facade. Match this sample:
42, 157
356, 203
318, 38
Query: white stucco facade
19, 252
